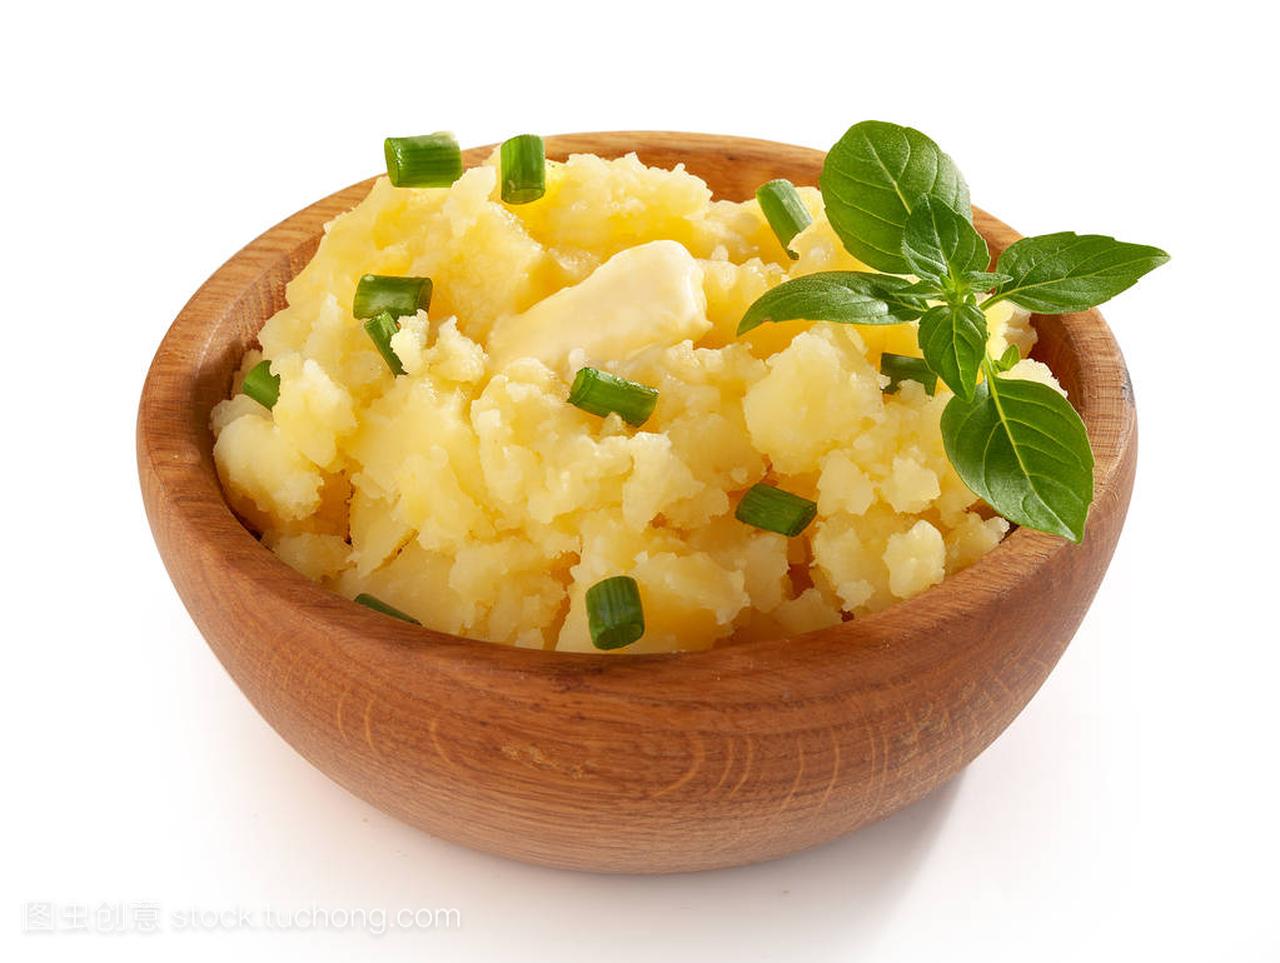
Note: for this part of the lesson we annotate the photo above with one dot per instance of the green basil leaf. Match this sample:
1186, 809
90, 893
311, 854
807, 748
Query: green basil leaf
849, 297
953, 338
871, 181
1056, 273
1020, 446
1007, 360
939, 243
983, 280
925, 289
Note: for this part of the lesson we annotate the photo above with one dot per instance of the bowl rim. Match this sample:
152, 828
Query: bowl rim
178, 473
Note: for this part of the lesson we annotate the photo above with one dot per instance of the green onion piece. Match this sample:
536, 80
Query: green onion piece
601, 393
901, 367
431, 160
524, 169
380, 329
376, 293
784, 211
774, 510
261, 385
370, 602
614, 614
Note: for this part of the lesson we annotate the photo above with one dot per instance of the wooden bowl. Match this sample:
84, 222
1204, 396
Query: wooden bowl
653, 763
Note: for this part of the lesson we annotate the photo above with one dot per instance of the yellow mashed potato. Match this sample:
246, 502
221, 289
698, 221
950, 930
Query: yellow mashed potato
468, 492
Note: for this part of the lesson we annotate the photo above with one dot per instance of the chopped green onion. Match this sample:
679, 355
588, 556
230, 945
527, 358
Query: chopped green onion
775, 510
376, 293
430, 160
370, 602
261, 385
901, 367
602, 393
784, 211
524, 169
380, 329
614, 614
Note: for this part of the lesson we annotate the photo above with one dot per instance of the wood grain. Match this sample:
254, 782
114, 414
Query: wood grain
641, 764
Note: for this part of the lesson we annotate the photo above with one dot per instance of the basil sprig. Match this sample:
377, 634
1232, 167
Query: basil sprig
1058, 273
900, 205
849, 297
953, 339
1021, 446
940, 245
872, 178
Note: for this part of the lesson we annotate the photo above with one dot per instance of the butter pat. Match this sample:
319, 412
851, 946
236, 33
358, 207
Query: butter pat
643, 296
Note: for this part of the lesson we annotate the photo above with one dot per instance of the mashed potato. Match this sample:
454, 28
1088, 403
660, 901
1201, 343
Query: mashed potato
470, 494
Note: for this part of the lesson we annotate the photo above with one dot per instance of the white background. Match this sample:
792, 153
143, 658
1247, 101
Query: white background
1130, 812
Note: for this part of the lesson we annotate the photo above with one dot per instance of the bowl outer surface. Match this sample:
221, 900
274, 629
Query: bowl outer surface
619, 763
